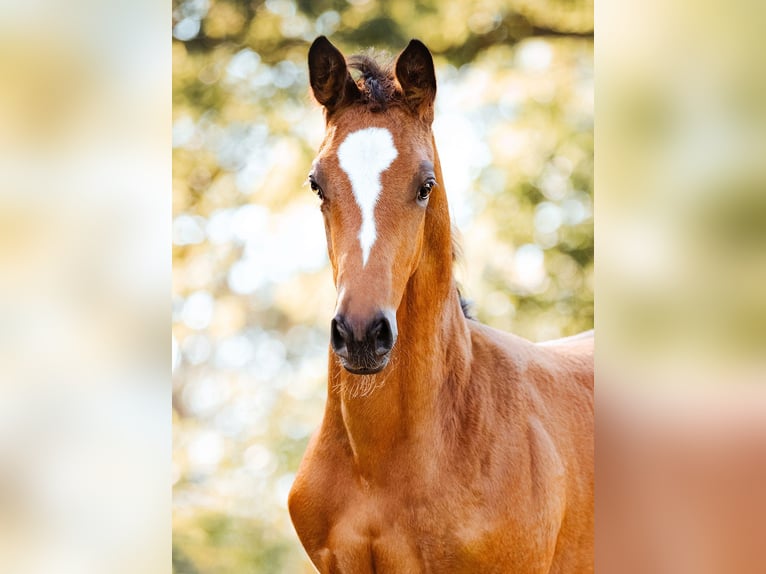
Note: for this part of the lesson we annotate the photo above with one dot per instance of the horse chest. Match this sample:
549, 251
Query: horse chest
372, 531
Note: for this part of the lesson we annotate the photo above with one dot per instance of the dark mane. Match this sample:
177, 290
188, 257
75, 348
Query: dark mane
376, 81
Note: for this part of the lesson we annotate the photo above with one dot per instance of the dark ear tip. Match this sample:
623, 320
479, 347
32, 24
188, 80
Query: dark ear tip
415, 54
416, 44
321, 45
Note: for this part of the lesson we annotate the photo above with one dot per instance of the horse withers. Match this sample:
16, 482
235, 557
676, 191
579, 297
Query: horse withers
446, 446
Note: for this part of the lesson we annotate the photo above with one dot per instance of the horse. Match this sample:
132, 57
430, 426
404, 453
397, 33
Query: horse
446, 446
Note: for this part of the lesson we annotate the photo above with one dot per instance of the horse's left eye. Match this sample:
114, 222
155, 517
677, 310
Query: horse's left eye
425, 190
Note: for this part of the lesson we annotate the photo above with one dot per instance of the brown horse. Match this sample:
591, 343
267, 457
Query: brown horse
446, 446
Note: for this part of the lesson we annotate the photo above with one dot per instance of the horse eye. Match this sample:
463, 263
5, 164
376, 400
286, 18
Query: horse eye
316, 189
425, 190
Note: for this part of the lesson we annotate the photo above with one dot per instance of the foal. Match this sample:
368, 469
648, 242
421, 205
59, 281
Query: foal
446, 446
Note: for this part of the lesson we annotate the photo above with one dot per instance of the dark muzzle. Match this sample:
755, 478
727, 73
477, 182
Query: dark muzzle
363, 347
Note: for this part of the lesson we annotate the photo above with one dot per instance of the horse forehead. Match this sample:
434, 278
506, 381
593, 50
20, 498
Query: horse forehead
367, 151
364, 155
405, 133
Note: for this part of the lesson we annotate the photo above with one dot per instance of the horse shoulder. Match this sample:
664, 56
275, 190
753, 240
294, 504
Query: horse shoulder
541, 398
316, 498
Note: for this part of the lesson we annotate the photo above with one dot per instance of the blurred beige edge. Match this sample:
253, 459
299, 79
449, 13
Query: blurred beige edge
681, 287
85, 420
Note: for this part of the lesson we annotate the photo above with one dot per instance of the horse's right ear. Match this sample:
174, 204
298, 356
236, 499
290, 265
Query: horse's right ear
330, 80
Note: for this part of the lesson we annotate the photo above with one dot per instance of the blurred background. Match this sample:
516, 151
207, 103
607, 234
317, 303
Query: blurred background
85, 337
681, 354
252, 291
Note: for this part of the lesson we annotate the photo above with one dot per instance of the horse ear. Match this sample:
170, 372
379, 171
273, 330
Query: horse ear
330, 81
415, 73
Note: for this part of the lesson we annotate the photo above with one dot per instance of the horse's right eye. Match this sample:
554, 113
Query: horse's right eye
316, 189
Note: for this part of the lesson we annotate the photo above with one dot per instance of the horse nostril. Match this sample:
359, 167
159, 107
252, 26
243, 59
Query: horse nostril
381, 335
339, 336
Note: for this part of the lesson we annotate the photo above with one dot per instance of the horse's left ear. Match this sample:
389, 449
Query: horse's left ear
415, 73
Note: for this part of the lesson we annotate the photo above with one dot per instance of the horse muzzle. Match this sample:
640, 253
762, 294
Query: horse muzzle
364, 347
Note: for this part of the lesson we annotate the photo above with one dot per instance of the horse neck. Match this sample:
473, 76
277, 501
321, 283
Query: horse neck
396, 409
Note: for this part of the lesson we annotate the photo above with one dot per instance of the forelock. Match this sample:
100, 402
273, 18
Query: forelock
376, 81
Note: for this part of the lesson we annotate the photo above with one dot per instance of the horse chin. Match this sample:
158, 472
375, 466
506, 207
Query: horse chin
365, 368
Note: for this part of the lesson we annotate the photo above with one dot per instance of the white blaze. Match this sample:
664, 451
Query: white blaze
364, 155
